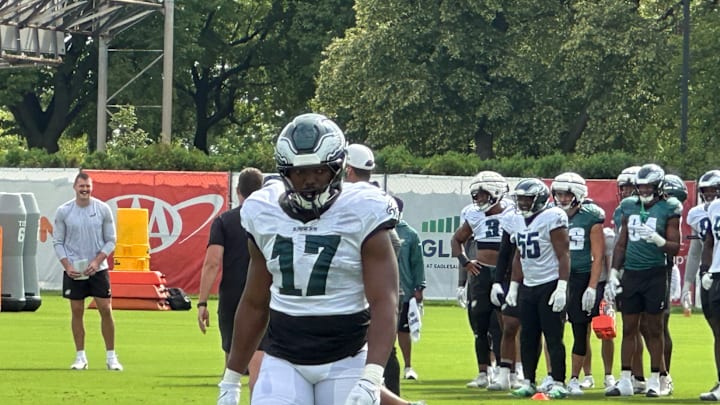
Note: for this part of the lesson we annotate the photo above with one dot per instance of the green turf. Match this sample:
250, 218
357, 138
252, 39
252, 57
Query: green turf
168, 361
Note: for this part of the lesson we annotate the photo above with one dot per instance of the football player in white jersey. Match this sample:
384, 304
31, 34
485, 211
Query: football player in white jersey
710, 291
481, 220
587, 248
697, 218
540, 275
322, 265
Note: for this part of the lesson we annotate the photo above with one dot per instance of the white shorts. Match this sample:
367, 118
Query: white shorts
283, 383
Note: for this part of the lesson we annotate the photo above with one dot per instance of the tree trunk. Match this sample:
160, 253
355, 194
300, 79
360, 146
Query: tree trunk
483, 141
568, 143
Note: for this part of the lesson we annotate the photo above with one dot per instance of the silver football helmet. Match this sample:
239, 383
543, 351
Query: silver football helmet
674, 186
531, 188
653, 175
626, 178
709, 185
492, 183
572, 183
311, 140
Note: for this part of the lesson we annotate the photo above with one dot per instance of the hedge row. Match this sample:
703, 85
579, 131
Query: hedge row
390, 159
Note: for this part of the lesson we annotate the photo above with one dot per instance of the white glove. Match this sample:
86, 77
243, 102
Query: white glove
229, 394
588, 299
706, 281
367, 390
496, 293
461, 297
512, 294
651, 236
559, 297
612, 287
685, 298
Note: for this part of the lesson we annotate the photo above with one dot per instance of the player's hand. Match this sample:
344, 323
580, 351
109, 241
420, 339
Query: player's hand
558, 298
648, 233
461, 297
497, 295
203, 318
612, 287
588, 299
512, 294
229, 394
364, 393
73, 273
685, 298
706, 281
473, 267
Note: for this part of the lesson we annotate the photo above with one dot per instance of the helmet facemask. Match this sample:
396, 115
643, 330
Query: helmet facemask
316, 198
531, 188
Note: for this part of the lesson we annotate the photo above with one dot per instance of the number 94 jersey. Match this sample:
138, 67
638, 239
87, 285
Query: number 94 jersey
540, 264
316, 266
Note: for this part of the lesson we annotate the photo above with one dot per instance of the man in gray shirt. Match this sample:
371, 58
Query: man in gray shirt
83, 237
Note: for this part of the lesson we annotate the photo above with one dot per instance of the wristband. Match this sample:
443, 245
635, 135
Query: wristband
373, 373
463, 259
201, 304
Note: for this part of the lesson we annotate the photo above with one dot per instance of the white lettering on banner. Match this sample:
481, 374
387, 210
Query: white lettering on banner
161, 211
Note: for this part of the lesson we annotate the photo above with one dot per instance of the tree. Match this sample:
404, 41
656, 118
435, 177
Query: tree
500, 78
44, 101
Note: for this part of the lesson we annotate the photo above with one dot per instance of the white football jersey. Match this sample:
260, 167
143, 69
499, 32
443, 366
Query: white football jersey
714, 217
540, 264
698, 220
316, 266
486, 228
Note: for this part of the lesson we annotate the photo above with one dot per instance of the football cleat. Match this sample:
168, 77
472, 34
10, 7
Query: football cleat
588, 382
712, 395
527, 390
481, 381
558, 391
79, 364
609, 381
114, 365
574, 388
546, 384
624, 388
410, 374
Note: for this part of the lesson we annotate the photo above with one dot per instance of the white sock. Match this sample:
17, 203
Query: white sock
231, 377
625, 374
111, 354
81, 354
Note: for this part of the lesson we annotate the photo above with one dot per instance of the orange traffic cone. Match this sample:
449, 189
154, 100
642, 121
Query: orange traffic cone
540, 396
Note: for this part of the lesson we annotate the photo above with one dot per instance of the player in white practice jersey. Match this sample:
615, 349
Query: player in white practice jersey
481, 220
541, 270
322, 265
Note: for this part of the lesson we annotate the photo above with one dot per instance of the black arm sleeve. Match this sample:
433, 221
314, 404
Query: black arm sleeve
503, 269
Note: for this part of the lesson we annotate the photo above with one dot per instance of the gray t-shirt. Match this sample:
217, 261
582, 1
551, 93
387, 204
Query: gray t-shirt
83, 232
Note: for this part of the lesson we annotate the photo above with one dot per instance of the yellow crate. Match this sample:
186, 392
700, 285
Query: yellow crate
131, 263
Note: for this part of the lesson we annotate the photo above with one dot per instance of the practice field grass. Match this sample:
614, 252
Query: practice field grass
168, 361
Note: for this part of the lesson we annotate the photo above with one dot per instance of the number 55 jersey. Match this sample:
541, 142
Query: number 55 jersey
318, 310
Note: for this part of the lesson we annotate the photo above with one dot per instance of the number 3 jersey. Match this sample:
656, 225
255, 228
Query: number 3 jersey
539, 262
319, 313
487, 231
